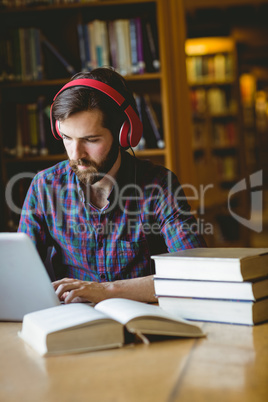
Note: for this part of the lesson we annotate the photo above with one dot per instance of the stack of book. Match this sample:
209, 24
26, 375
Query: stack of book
228, 285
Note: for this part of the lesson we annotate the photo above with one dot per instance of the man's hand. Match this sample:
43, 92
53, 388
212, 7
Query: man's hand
74, 290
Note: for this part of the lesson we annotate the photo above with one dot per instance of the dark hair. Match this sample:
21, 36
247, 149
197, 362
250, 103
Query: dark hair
77, 99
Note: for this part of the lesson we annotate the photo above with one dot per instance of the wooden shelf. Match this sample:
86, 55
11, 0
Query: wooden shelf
34, 159
71, 6
211, 82
60, 157
62, 81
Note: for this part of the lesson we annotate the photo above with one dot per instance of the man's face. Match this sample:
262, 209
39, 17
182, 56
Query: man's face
90, 147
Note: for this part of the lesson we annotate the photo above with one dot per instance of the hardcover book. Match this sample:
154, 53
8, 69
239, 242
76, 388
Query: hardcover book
211, 289
213, 264
79, 327
244, 312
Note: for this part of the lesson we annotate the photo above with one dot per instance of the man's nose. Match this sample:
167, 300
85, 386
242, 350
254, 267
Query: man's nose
78, 150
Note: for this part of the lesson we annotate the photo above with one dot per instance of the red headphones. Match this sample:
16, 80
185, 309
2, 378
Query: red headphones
131, 130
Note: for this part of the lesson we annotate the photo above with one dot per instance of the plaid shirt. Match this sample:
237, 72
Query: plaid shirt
146, 214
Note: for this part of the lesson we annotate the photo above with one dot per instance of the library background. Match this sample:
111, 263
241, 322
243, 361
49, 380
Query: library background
199, 71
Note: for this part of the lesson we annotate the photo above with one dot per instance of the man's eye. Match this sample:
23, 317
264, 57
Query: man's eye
92, 140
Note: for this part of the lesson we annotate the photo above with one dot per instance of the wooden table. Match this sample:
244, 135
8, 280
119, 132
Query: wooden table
230, 364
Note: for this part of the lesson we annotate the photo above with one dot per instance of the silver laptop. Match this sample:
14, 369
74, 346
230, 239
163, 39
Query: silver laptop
24, 282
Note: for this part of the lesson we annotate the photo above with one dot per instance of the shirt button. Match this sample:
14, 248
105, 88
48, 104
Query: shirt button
102, 276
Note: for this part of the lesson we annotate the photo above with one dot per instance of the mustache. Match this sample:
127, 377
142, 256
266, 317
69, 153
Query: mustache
80, 162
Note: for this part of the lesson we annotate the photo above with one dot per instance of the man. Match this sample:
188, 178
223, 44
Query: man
104, 212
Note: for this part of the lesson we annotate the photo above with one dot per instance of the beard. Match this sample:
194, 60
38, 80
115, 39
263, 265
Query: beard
95, 171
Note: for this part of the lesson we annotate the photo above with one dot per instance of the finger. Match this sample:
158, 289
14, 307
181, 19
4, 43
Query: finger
67, 287
77, 295
57, 283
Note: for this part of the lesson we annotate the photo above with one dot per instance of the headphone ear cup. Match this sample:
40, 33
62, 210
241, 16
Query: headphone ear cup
124, 135
57, 128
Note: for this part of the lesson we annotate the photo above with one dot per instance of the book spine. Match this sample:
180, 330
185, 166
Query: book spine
19, 146
41, 126
123, 46
92, 44
86, 36
33, 59
16, 54
154, 121
152, 46
38, 55
113, 44
32, 113
142, 143
105, 43
81, 45
9, 140
133, 45
9, 65
22, 53
69, 68
98, 42
141, 62
24, 123
27, 50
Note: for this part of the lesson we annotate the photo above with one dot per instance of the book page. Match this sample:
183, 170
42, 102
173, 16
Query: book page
124, 310
64, 316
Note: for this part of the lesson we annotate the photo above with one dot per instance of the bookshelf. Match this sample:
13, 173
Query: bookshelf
211, 65
57, 24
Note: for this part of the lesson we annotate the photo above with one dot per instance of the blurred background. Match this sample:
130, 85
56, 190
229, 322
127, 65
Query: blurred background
199, 72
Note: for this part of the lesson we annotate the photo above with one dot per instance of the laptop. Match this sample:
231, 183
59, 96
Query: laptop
25, 285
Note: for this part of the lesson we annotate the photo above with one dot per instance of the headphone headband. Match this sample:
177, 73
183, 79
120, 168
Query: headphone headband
131, 130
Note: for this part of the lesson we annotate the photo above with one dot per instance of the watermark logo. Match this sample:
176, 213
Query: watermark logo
134, 201
255, 221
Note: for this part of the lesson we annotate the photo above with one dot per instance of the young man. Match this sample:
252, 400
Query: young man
104, 212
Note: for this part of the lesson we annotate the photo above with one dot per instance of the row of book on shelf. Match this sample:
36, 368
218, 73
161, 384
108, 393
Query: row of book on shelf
219, 66
223, 134
214, 100
224, 168
128, 45
30, 132
22, 55
227, 285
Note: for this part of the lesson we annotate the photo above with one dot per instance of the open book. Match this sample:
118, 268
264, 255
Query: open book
78, 327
